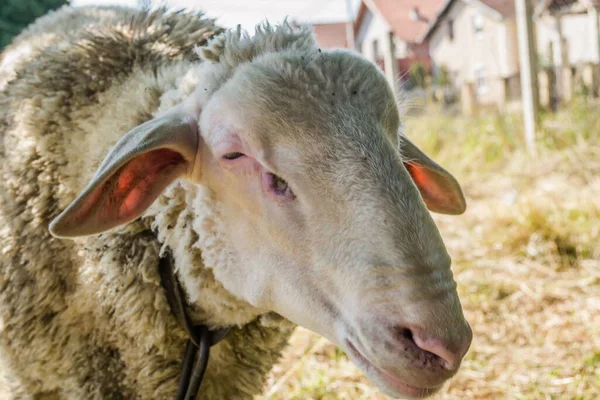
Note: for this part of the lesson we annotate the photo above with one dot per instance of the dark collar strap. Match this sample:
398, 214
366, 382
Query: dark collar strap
200, 337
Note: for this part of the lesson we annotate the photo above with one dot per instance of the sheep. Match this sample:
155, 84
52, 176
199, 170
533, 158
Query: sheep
272, 172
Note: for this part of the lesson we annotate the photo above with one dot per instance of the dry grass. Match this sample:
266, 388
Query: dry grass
525, 256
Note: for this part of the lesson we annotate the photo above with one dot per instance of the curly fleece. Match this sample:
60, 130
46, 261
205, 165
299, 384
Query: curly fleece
88, 319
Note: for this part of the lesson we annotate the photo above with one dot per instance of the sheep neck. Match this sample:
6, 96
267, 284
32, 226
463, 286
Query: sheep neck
182, 221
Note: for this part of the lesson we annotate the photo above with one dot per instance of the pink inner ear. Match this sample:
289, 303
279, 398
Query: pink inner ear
133, 188
140, 176
433, 194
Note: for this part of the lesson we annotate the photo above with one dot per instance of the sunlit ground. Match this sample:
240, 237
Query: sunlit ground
525, 256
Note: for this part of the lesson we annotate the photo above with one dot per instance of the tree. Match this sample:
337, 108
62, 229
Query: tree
15, 15
442, 78
418, 75
144, 4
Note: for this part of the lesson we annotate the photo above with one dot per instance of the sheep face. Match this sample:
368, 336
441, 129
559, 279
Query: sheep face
325, 220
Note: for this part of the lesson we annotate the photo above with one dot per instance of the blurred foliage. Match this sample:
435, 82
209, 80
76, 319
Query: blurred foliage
487, 142
15, 15
418, 75
442, 77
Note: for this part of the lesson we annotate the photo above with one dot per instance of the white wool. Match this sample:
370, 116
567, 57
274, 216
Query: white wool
88, 318
188, 224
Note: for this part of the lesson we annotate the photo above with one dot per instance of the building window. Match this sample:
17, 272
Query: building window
376, 53
481, 84
551, 60
478, 25
450, 30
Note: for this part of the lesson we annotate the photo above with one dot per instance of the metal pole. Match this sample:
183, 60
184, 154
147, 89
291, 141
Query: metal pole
595, 31
350, 26
528, 66
390, 62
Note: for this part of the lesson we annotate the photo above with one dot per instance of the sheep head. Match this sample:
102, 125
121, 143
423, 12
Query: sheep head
323, 204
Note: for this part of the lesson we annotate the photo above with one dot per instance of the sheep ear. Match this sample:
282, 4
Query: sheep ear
133, 174
439, 189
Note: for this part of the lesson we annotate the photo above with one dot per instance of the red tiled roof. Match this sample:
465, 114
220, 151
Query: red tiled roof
506, 8
397, 13
331, 35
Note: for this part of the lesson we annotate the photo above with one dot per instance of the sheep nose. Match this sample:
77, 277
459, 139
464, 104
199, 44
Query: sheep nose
448, 351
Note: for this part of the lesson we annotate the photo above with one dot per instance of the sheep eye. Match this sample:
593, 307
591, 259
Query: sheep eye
233, 156
279, 187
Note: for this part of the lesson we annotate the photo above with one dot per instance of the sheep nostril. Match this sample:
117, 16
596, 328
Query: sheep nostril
415, 345
407, 334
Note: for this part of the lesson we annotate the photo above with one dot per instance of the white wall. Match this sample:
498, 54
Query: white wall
510, 65
483, 58
372, 28
577, 30
400, 48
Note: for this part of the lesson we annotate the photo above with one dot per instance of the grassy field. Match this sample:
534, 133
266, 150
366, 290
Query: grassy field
525, 257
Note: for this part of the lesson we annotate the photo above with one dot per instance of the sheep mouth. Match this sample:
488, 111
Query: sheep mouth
389, 384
